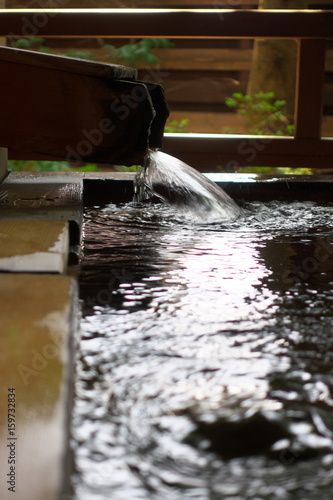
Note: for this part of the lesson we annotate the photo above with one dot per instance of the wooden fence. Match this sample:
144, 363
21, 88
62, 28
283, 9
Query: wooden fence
198, 75
312, 29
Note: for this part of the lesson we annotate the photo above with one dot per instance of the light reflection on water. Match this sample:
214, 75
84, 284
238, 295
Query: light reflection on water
206, 368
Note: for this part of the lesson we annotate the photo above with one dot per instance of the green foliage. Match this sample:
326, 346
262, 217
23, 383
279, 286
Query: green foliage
177, 126
132, 53
80, 54
88, 167
275, 170
124, 168
263, 114
38, 166
28, 43
48, 166
37, 43
45, 50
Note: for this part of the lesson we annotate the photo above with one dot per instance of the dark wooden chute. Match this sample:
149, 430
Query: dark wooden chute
81, 111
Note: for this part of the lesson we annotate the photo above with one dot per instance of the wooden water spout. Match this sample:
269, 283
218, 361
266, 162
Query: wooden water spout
64, 108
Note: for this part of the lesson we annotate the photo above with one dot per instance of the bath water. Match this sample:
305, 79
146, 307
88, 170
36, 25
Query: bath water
206, 368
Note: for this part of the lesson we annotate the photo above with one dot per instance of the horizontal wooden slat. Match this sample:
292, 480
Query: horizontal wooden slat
204, 59
202, 90
213, 91
190, 59
211, 59
168, 23
209, 150
150, 3
211, 123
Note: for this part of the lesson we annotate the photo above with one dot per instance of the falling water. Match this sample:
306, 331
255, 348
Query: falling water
176, 183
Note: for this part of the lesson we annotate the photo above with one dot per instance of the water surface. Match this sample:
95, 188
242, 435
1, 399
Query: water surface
206, 355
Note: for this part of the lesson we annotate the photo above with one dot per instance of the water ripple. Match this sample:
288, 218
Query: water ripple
206, 355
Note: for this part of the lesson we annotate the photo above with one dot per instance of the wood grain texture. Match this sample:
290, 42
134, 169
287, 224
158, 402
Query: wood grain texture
37, 329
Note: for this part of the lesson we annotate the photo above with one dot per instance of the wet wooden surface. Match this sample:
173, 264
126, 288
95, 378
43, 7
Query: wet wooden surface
38, 324
45, 196
36, 362
34, 246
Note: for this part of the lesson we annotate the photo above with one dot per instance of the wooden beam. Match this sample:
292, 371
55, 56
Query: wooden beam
2, 6
3, 163
71, 4
167, 23
215, 123
309, 89
71, 110
67, 64
209, 150
188, 59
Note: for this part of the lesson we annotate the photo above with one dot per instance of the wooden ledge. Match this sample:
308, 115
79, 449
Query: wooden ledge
34, 246
38, 323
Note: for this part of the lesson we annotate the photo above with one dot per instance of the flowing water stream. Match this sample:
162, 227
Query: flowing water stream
186, 189
206, 368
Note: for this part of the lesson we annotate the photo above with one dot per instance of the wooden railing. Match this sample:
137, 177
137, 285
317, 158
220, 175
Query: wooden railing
150, 4
310, 28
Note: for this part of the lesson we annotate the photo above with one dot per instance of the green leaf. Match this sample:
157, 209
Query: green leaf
230, 102
80, 54
45, 50
22, 43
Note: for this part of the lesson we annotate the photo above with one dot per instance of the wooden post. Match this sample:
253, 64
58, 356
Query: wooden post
3, 163
309, 88
2, 6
